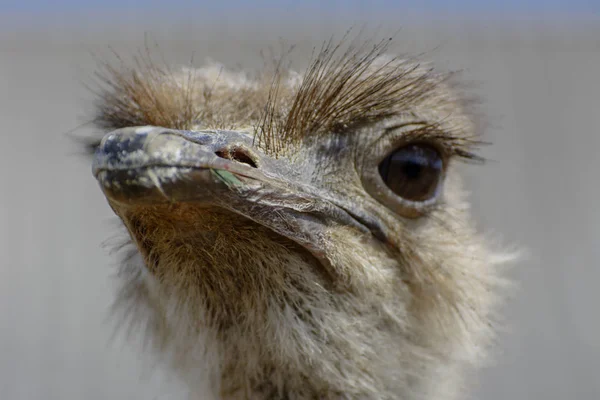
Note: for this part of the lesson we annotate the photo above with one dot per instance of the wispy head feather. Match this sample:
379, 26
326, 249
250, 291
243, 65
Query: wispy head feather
347, 83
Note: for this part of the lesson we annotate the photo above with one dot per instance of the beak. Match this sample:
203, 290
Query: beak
151, 165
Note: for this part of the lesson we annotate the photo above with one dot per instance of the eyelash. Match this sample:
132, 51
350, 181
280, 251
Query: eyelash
448, 144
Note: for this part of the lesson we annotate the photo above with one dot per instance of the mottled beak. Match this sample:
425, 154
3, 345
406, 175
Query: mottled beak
150, 165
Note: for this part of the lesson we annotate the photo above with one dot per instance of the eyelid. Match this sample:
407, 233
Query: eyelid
413, 132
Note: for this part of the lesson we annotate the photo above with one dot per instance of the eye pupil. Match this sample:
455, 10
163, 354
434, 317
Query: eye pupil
412, 172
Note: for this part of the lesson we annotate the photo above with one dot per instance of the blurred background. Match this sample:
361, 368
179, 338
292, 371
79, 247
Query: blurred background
536, 65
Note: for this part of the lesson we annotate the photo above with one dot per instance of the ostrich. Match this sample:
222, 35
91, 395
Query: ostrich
299, 236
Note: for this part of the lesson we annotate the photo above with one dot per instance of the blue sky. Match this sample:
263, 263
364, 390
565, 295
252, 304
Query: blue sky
511, 7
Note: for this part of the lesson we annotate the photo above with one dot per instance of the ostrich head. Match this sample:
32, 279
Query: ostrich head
299, 236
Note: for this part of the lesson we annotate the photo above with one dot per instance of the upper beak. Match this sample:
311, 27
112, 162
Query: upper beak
156, 165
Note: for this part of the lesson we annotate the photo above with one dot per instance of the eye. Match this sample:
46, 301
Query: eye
413, 172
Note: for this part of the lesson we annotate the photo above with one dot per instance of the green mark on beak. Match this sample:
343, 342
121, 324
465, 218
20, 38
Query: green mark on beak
226, 177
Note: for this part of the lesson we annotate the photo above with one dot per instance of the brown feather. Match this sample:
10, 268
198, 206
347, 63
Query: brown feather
344, 85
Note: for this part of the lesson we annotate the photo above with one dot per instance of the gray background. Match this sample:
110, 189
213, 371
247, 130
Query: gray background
541, 88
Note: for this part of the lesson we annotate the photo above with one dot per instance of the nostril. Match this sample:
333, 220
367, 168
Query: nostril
242, 156
237, 154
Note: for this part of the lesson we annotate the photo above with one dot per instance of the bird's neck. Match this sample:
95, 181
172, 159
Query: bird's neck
245, 313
